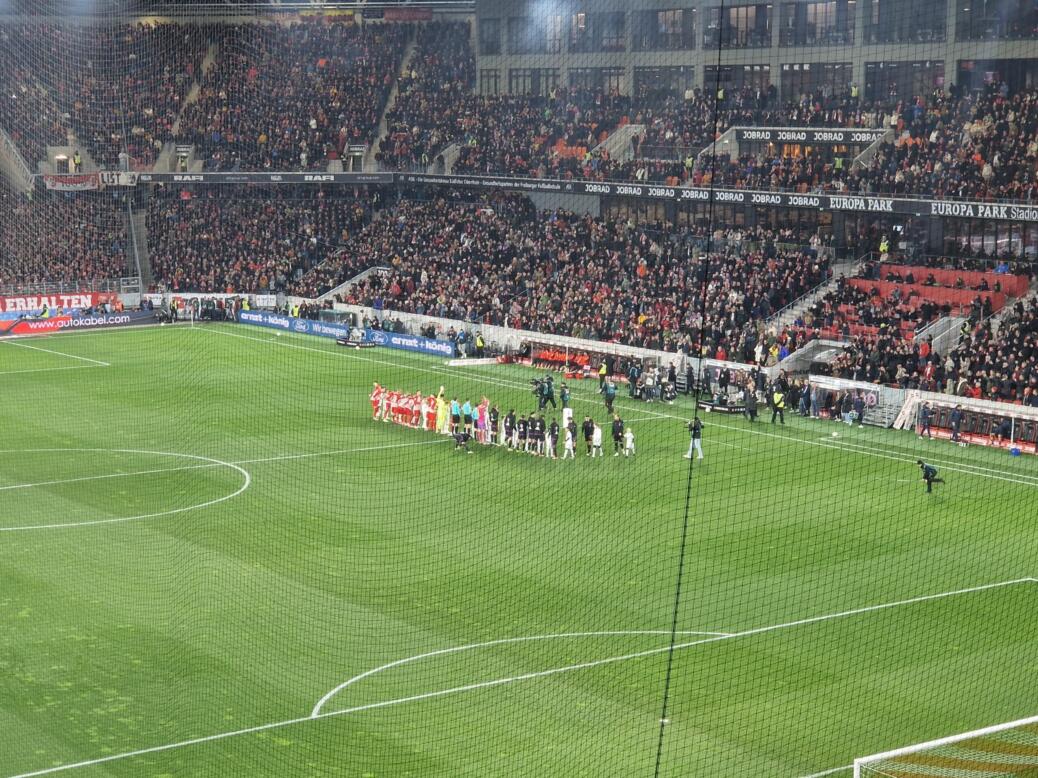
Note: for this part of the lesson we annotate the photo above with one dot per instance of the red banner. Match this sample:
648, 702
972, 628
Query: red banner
32, 303
73, 183
407, 14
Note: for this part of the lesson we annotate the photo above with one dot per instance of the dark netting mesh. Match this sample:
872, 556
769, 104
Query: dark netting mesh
527, 388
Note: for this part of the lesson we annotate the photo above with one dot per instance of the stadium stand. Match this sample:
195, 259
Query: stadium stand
426, 115
249, 240
59, 238
28, 111
566, 274
292, 97
546, 137
118, 89
1003, 364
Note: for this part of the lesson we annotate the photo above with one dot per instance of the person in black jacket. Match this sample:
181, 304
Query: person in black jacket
588, 428
956, 423
618, 434
695, 431
929, 475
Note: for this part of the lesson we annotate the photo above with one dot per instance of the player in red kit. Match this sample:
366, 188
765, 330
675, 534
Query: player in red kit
430, 413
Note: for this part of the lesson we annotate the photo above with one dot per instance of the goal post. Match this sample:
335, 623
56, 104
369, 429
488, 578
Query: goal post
1009, 750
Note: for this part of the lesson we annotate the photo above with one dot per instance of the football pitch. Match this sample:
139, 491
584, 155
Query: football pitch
213, 563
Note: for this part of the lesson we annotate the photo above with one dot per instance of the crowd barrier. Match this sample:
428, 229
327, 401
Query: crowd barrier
1013, 285
934, 294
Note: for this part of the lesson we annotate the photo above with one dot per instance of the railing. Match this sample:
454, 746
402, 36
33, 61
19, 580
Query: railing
330, 294
125, 285
15, 156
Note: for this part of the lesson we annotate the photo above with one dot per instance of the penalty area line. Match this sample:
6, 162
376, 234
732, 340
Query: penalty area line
513, 679
96, 362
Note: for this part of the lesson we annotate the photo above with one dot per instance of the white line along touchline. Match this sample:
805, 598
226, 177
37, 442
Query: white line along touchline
503, 681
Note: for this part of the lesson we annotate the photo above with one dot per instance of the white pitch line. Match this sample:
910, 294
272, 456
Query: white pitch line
316, 712
830, 771
208, 465
928, 458
288, 457
97, 362
49, 369
113, 475
502, 681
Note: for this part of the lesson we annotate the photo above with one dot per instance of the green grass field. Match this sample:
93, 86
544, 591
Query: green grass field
204, 535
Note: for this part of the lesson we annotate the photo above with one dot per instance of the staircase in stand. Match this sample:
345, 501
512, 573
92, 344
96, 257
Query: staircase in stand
370, 166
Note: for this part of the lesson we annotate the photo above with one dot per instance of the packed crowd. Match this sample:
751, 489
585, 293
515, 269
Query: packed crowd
292, 97
561, 273
545, 137
253, 241
997, 363
1001, 365
295, 96
126, 85
29, 112
424, 118
58, 238
119, 89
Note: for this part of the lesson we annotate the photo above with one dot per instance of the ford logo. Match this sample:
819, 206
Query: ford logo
379, 338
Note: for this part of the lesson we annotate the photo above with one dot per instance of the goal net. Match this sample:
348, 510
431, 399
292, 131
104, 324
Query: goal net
1009, 750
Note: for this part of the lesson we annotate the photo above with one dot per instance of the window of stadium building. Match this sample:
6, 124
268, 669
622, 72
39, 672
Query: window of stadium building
664, 81
532, 81
990, 238
672, 29
887, 21
1016, 74
636, 211
489, 37
591, 32
817, 24
604, 79
736, 77
700, 215
808, 78
996, 19
902, 79
490, 82
535, 35
740, 26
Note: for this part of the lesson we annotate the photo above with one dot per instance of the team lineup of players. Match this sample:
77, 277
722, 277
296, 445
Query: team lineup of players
484, 423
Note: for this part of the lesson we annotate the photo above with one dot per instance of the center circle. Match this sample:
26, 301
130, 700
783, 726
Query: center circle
198, 462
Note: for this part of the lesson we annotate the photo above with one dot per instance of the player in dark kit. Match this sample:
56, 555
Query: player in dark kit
461, 442
618, 434
510, 429
553, 439
495, 417
521, 433
588, 428
540, 428
929, 475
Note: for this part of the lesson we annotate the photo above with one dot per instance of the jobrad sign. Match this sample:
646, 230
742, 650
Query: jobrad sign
859, 203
